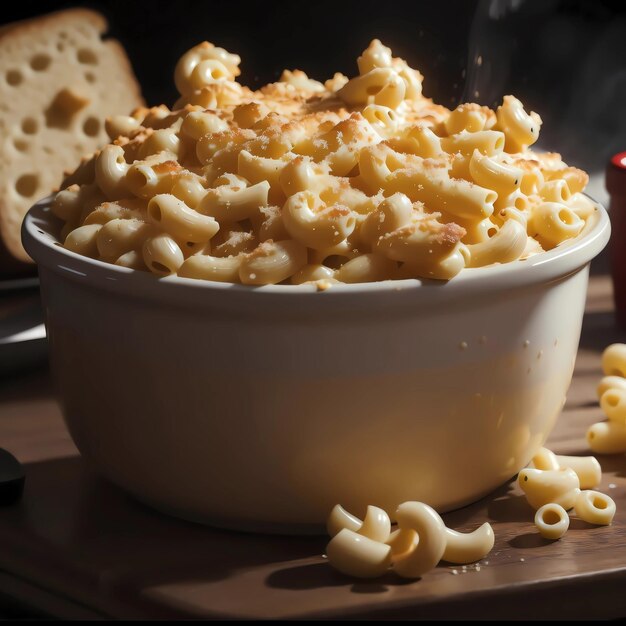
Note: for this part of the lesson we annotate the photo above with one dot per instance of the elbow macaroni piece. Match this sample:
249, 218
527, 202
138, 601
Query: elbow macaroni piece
491, 174
486, 142
554, 222
607, 437
521, 129
339, 519
595, 508
555, 191
120, 236
505, 246
73, 201
365, 169
611, 382
356, 555
376, 525
176, 218
313, 273
315, 225
120, 125
614, 360
228, 66
552, 521
358, 548
366, 268
156, 174
541, 487
464, 548
84, 240
402, 542
545, 459
207, 267
132, 260
272, 262
162, 255
111, 169
587, 468
469, 117
613, 403
430, 529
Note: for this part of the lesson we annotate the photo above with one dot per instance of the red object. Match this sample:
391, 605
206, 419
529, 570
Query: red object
616, 186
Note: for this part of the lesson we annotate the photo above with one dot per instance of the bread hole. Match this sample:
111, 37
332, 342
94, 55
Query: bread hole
60, 46
64, 108
40, 62
30, 126
14, 77
90, 77
26, 185
63, 35
87, 56
20, 145
91, 126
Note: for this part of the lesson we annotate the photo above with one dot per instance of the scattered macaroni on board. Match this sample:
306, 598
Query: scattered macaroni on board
351, 180
368, 548
610, 437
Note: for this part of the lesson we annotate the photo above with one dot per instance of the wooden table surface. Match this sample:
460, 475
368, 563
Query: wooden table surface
76, 546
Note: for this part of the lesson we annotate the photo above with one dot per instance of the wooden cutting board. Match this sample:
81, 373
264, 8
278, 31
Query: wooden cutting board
78, 547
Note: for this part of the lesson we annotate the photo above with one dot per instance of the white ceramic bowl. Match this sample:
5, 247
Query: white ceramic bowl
261, 408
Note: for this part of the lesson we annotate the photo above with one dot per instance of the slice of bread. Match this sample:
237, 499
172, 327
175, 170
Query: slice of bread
58, 81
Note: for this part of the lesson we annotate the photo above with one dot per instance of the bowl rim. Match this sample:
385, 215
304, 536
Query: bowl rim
40, 241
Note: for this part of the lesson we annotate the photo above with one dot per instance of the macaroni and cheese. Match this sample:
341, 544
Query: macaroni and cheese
351, 180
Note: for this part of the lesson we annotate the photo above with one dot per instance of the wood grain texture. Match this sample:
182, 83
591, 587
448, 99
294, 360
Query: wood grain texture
83, 542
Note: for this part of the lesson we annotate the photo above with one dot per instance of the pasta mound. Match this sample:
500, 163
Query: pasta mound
351, 180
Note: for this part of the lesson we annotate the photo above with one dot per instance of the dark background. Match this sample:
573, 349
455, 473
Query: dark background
319, 37
566, 59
